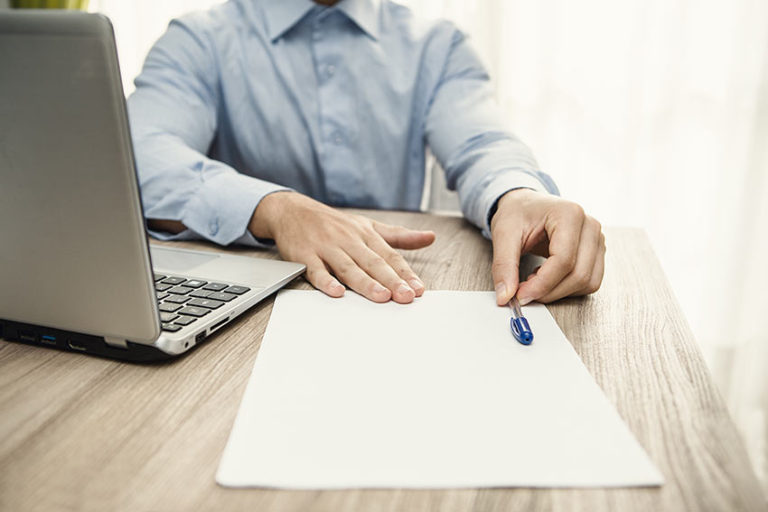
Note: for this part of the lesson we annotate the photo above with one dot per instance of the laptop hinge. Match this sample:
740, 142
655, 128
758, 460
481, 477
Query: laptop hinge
116, 342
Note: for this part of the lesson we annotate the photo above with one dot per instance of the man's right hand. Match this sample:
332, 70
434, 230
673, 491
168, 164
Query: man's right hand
358, 251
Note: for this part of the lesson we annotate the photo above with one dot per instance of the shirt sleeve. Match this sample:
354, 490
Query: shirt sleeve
173, 115
464, 129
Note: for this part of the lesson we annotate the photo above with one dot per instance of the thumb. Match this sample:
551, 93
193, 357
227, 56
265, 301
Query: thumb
403, 238
507, 246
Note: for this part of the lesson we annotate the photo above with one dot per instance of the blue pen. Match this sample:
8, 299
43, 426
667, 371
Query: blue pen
519, 324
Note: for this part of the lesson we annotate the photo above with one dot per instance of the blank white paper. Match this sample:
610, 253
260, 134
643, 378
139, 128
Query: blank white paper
346, 393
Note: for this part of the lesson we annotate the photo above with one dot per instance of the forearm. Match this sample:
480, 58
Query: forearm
169, 226
488, 171
465, 130
188, 195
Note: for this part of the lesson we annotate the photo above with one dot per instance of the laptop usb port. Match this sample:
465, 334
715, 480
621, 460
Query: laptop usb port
48, 339
27, 336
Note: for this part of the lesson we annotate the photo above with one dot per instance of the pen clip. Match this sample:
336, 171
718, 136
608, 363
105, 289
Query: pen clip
521, 330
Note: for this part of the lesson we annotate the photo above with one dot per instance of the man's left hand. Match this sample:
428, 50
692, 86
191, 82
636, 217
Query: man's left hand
527, 221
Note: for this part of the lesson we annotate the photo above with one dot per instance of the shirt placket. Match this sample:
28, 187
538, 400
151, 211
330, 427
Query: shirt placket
337, 118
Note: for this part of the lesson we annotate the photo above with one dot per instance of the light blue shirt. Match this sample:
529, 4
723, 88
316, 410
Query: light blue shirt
338, 103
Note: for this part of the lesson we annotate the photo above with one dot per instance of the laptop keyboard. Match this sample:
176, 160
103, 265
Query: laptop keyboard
183, 301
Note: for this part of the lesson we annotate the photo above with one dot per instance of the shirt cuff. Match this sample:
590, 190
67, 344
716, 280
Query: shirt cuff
500, 186
221, 209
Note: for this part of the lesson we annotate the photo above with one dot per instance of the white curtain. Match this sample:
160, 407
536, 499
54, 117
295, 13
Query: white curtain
650, 113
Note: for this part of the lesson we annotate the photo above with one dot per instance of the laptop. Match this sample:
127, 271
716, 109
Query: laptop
76, 270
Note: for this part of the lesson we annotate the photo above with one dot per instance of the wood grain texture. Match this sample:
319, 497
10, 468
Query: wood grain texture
81, 433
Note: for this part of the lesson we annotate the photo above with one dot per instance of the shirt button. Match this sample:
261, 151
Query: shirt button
213, 227
337, 138
330, 69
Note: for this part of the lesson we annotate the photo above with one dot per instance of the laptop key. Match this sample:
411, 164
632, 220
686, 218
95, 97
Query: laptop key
215, 287
195, 283
159, 277
168, 317
162, 287
226, 297
237, 290
174, 280
185, 320
200, 294
177, 299
180, 290
206, 303
169, 308
161, 295
194, 311
171, 327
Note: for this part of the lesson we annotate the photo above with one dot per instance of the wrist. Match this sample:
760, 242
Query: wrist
267, 212
517, 195
507, 200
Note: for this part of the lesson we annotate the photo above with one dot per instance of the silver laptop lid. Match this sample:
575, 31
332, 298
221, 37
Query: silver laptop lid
73, 249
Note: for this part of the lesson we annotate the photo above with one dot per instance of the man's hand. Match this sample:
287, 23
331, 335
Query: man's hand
573, 243
356, 250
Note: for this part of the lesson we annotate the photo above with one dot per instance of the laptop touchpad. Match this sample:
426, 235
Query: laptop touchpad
178, 261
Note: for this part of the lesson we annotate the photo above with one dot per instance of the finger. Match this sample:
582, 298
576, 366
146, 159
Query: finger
380, 270
403, 238
578, 281
564, 232
507, 240
319, 277
599, 270
350, 273
396, 261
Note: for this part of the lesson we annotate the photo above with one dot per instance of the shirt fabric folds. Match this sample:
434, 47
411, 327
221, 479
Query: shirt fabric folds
338, 103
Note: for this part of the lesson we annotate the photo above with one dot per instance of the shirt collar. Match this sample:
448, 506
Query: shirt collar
283, 15
364, 13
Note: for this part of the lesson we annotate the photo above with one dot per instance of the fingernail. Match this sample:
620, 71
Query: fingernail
335, 288
524, 300
404, 289
501, 291
379, 289
416, 285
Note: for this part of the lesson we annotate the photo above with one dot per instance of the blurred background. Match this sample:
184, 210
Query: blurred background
650, 113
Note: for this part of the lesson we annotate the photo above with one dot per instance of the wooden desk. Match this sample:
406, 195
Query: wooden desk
81, 433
